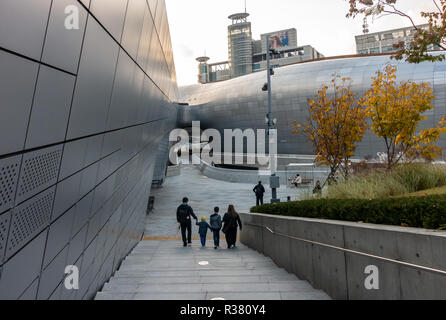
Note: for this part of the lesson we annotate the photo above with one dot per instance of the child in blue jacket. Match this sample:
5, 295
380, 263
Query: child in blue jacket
203, 230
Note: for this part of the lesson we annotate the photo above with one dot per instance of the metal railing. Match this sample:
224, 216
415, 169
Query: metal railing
407, 264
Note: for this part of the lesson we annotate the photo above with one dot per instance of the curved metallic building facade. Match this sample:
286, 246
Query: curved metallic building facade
82, 114
240, 103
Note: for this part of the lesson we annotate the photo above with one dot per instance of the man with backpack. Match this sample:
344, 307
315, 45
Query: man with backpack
184, 213
259, 190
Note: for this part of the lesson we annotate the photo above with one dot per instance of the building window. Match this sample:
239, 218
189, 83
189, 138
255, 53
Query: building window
398, 34
387, 36
371, 39
374, 50
388, 49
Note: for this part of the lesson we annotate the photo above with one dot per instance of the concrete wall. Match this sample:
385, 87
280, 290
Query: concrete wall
173, 171
340, 274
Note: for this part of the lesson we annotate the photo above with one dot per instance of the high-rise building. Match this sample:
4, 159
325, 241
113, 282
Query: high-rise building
240, 45
247, 55
382, 42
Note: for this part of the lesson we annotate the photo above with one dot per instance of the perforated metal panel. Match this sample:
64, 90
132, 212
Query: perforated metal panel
39, 171
9, 174
4, 227
29, 219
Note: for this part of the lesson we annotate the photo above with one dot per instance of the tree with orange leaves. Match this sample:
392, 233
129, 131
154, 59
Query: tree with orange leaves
336, 124
396, 111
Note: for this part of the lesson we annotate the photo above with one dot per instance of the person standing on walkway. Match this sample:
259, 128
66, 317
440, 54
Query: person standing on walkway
259, 190
184, 213
231, 221
216, 224
203, 227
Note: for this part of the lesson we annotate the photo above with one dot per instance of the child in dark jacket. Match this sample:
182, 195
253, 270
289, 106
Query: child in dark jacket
216, 225
203, 230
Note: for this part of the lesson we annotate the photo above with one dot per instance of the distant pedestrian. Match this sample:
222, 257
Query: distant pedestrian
203, 230
184, 213
231, 221
216, 224
317, 189
259, 190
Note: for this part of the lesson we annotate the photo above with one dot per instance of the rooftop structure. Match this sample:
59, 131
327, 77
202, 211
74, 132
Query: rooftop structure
247, 55
383, 41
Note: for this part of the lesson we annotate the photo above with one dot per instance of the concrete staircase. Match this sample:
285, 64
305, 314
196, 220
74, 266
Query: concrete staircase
164, 270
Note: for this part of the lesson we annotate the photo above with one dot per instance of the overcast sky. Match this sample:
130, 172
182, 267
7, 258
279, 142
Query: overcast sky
199, 26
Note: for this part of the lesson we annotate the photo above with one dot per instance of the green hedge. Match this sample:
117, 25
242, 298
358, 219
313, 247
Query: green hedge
419, 212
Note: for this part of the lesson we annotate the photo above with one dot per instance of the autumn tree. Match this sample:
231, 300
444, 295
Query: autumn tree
336, 124
417, 50
396, 110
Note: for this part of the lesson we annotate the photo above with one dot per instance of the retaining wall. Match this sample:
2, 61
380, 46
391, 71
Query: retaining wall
342, 274
253, 176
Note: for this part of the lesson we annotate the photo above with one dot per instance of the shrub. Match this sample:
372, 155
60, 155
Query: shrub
380, 183
419, 212
418, 176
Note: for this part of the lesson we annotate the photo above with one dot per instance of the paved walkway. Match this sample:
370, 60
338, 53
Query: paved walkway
204, 194
159, 268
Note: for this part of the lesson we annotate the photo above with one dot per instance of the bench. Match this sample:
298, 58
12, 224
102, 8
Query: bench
305, 183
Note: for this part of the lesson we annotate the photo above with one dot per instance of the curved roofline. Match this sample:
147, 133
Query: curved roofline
346, 57
322, 59
316, 60
241, 15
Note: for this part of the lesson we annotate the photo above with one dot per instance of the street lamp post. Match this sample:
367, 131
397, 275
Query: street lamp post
274, 180
268, 65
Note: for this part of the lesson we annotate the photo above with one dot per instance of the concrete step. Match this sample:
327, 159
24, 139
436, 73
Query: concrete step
201, 279
209, 272
297, 286
248, 296
155, 265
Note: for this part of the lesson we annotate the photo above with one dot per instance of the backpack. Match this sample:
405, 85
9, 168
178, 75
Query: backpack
259, 190
183, 214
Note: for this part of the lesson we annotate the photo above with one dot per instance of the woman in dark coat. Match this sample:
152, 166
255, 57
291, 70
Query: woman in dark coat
231, 221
